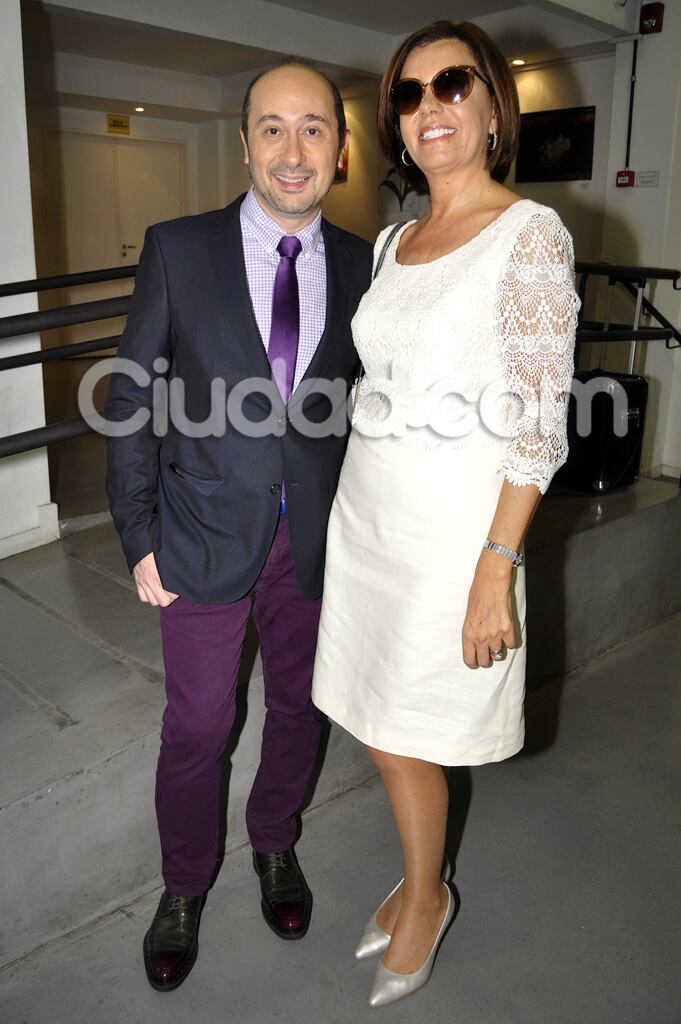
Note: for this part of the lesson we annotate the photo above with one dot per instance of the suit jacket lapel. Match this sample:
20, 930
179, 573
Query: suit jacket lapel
337, 286
229, 269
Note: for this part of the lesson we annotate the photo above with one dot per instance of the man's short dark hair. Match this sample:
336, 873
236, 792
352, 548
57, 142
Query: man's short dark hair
300, 62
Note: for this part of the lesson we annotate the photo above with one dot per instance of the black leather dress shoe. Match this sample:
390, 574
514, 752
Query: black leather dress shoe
172, 942
286, 899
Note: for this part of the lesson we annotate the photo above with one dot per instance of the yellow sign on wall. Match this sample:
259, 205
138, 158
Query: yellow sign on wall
118, 124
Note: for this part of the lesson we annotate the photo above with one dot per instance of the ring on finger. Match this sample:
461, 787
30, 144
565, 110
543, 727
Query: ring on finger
497, 655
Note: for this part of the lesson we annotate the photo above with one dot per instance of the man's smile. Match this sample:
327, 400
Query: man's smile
290, 182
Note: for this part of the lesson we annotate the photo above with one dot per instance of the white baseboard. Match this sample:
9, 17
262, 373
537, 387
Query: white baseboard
671, 472
86, 522
45, 532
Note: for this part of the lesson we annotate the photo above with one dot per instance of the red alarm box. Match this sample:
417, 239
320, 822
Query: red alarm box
651, 19
625, 179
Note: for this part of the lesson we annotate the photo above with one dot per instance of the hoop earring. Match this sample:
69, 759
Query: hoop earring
491, 142
407, 163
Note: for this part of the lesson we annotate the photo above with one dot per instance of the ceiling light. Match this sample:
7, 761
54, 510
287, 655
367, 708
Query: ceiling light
139, 109
518, 62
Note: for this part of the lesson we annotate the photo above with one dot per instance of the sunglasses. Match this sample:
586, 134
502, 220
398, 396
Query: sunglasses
451, 85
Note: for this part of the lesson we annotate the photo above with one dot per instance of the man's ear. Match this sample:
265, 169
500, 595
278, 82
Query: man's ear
243, 139
346, 139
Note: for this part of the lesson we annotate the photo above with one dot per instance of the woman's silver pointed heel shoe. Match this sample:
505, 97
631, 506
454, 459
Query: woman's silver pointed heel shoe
389, 986
374, 940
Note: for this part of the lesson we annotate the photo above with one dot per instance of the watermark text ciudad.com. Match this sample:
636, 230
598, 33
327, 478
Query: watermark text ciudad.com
440, 406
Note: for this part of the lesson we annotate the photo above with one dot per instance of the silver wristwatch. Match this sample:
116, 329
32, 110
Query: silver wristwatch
516, 557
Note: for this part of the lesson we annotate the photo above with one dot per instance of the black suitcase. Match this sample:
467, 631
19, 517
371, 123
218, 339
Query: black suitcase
609, 456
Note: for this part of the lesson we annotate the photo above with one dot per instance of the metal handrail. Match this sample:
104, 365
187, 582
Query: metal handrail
63, 316
46, 355
628, 277
595, 331
653, 311
50, 319
621, 272
42, 284
28, 440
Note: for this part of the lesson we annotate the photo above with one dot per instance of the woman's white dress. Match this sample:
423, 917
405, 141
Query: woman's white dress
469, 361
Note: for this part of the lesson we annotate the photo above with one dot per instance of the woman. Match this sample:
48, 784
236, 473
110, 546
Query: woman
473, 301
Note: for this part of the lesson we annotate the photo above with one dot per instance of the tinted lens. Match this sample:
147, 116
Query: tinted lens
407, 96
453, 85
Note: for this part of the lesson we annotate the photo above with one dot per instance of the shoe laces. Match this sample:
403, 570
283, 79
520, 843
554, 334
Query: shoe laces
179, 902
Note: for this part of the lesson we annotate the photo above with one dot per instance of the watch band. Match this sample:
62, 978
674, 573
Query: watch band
516, 557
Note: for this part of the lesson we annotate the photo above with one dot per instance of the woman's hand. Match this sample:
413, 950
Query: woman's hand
489, 621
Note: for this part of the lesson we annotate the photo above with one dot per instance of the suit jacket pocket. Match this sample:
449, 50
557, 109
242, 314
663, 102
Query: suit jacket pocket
203, 484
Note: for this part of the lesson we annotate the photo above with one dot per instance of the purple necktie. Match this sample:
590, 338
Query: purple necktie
283, 347
282, 350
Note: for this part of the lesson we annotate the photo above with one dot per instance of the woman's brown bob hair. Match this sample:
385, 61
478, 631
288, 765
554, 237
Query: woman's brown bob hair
490, 62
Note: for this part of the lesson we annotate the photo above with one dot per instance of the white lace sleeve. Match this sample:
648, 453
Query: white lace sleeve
535, 320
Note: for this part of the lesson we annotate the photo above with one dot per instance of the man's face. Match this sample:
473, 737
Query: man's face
292, 146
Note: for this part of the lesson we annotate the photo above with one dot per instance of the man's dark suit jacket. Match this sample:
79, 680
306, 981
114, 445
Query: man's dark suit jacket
208, 507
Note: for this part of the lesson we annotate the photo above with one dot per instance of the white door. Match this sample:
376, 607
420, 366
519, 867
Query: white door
149, 178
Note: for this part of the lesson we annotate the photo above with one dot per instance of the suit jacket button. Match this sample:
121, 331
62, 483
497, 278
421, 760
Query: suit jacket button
275, 489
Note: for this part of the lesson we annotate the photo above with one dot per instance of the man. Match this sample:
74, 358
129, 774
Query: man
259, 295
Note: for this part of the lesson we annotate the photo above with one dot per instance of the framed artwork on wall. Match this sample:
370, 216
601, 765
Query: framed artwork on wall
341, 175
556, 145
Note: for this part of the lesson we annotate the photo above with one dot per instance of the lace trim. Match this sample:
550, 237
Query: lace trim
535, 321
532, 473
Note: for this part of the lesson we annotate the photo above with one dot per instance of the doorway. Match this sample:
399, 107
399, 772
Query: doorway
99, 194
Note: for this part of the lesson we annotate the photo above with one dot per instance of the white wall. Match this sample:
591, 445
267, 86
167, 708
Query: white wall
256, 23
353, 205
233, 172
208, 160
523, 30
26, 516
667, 455
73, 75
581, 204
646, 222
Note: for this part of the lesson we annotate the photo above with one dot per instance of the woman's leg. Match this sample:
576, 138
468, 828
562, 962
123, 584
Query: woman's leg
418, 795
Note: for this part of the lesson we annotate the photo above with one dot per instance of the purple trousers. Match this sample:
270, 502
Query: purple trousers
202, 646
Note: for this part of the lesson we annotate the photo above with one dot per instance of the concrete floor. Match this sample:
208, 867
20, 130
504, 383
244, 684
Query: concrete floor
567, 863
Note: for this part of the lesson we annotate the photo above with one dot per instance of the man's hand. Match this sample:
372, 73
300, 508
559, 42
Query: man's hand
149, 586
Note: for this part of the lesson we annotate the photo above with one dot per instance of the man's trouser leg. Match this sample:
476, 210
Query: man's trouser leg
287, 624
202, 646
